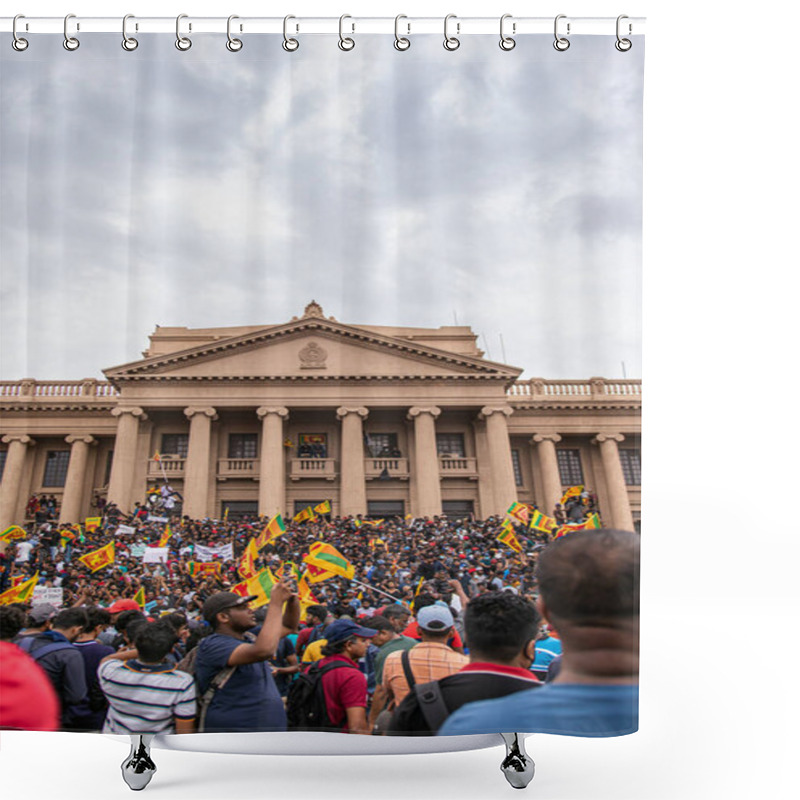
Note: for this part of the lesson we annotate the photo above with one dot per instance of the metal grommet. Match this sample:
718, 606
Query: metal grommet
506, 42
18, 43
451, 42
234, 45
561, 43
623, 45
289, 45
181, 42
70, 42
128, 42
346, 43
400, 42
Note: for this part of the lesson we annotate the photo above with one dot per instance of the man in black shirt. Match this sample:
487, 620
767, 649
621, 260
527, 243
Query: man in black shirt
500, 630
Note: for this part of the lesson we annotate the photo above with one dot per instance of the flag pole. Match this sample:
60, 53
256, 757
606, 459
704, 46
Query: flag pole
373, 589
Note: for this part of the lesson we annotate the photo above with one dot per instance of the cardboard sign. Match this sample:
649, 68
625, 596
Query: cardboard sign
155, 555
48, 594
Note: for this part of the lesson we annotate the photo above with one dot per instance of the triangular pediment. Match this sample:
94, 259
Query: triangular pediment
315, 349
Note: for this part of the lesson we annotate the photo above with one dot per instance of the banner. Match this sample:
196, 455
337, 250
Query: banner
137, 550
155, 555
203, 553
125, 530
151, 518
48, 594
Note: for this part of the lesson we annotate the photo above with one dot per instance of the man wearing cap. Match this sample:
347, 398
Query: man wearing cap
249, 700
430, 660
38, 621
345, 688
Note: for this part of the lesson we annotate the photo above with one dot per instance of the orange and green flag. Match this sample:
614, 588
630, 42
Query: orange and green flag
21, 593
204, 568
519, 511
139, 597
97, 559
259, 585
541, 522
573, 491
247, 566
323, 508
374, 522
14, 532
328, 558
165, 537
92, 523
276, 528
508, 538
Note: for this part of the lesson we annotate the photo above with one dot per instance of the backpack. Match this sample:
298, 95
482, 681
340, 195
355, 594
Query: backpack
26, 644
428, 696
305, 701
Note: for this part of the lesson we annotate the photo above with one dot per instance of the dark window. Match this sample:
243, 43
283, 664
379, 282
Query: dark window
450, 444
175, 444
3, 456
55, 468
242, 445
299, 505
385, 508
631, 461
569, 467
237, 509
517, 467
382, 444
457, 508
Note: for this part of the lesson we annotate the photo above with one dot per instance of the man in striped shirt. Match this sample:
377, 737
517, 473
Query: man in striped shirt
145, 694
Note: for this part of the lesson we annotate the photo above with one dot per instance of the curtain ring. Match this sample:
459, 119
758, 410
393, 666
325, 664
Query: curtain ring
181, 42
623, 45
18, 43
128, 42
70, 42
401, 43
451, 42
506, 42
234, 45
346, 43
561, 43
289, 45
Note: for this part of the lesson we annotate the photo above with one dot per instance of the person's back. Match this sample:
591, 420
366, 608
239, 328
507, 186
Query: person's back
589, 584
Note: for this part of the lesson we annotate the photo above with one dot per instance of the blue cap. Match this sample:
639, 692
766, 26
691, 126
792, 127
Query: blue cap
344, 629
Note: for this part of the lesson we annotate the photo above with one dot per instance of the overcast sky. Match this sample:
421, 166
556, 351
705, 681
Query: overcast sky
501, 190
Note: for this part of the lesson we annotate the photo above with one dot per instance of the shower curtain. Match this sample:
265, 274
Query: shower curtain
356, 316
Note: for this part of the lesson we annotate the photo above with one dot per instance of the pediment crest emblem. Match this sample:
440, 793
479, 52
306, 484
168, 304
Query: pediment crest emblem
313, 356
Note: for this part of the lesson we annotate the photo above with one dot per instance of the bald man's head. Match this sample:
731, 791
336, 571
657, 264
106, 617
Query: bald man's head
591, 577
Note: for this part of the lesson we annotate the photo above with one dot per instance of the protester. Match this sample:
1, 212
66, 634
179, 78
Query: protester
12, 620
387, 640
28, 701
249, 699
38, 621
90, 715
501, 631
146, 694
589, 584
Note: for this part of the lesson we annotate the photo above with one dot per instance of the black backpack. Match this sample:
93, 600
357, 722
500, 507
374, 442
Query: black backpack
305, 701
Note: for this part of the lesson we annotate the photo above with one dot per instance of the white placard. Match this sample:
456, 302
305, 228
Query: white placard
151, 518
48, 594
203, 553
155, 555
123, 530
137, 550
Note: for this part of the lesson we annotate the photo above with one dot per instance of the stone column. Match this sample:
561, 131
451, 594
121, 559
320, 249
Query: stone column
12, 477
352, 483
426, 461
198, 462
76, 477
123, 466
621, 516
272, 470
548, 468
504, 488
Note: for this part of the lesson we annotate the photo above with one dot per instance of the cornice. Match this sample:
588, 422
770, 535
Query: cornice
61, 407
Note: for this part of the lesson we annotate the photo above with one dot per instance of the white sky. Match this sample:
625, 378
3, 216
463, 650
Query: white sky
501, 190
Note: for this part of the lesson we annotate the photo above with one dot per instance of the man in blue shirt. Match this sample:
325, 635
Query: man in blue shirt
589, 593
249, 701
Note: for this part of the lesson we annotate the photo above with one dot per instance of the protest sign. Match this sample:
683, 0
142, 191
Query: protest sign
48, 594
156, 555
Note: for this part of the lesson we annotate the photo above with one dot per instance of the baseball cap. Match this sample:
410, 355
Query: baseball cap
222, 600
343, 629
435, 618
42, 612
123, 605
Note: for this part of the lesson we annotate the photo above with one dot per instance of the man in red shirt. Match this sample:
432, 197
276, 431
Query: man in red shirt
345, 687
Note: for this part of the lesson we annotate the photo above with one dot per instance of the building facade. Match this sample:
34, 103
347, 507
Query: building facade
266, 419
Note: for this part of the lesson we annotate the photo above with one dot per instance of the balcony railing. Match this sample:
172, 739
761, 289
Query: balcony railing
172, 467
29, 388
312, 468
458, 467
237, 468
593, 389
396, 468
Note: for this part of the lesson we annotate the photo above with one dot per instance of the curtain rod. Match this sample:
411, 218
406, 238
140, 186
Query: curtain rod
460, 26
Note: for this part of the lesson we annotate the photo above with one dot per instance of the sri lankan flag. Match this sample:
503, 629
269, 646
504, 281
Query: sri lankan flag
419, 586
519, 511
593, 522
509, 538
315, 574
208, 568
541, 522
67, 535
328, 558
100, 558
323, 508
21, 593
14, 532
247, 566
276, 528
92, 523
374, 522
573, 491
260, 585
373, 543
305, 515
165, 537
139, 597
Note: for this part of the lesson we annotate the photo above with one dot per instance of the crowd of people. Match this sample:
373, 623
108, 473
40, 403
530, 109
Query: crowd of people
438, 614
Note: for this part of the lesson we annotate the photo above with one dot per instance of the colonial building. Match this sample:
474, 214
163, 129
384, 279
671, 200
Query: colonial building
378, 420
